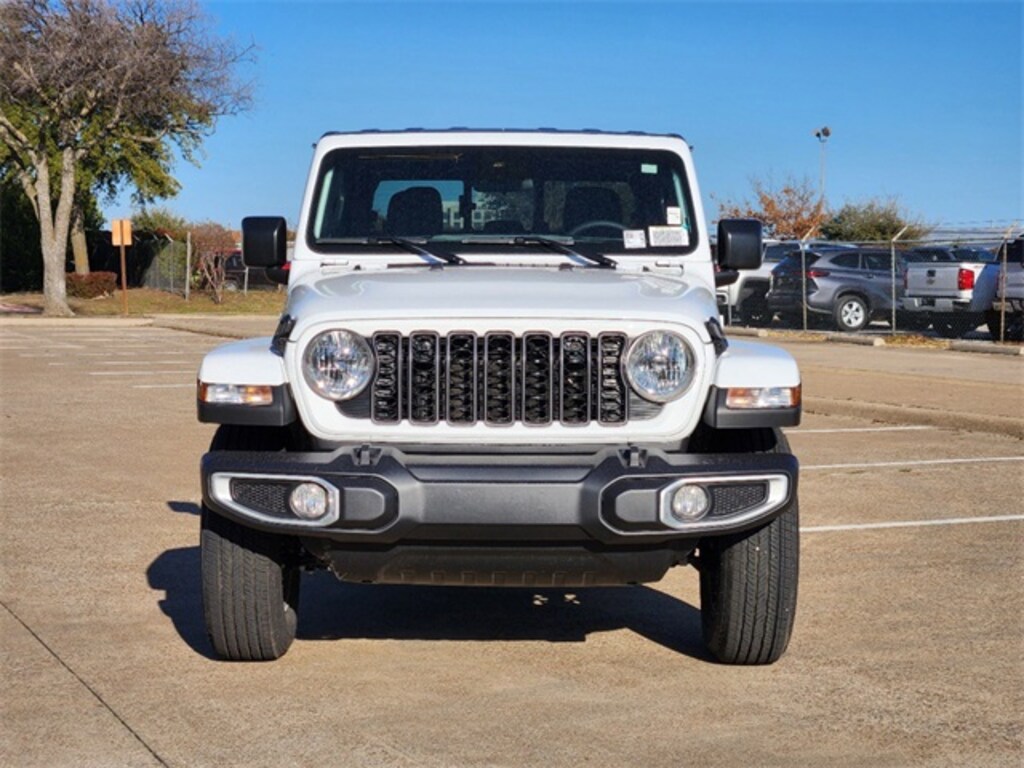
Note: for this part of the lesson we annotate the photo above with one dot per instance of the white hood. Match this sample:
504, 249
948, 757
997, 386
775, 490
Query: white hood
502, 292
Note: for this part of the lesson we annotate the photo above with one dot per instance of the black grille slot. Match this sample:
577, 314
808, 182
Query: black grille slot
268, 497
386, 395
538, 378
575, 378
612, 395
424, 378
461, 371
499, 379
730, 498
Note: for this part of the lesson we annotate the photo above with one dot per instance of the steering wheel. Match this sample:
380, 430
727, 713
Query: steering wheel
580, 228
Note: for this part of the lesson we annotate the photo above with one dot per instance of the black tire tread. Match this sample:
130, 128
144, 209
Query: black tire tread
749, 580
250, 578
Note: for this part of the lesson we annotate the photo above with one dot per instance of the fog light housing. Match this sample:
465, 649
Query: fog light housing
308, 501
690, 503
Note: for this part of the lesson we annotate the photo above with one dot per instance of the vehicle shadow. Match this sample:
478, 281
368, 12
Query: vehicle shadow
184, 507
334, 610
176, 572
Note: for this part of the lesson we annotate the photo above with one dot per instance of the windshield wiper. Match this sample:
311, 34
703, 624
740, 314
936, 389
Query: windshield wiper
553, 245
401, 242
411, 247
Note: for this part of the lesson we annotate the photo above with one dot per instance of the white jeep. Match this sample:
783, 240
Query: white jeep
500, 364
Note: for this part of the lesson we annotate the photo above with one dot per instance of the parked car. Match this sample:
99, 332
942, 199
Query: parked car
852, 286
1000, 297
745, 300
939, 285
235, 275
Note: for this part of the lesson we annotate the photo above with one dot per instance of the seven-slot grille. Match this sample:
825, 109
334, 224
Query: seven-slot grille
499, 378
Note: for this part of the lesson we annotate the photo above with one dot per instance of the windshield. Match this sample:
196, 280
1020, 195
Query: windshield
615, 199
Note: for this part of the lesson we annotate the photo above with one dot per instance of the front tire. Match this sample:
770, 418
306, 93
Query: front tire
748, 581
1014, 325
851, 314
250, 579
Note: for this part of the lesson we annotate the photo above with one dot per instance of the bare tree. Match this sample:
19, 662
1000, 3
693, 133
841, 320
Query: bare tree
84, 81
213, 244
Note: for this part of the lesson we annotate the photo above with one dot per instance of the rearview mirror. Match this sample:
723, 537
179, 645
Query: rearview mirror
739, 244
264, 241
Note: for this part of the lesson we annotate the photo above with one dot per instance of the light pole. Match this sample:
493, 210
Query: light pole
822, 135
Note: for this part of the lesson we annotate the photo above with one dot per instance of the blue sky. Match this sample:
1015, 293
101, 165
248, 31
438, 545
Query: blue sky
924, 99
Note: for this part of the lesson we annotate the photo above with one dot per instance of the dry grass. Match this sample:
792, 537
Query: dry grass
143, 302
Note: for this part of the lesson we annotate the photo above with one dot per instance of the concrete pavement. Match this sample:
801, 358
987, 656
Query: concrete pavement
906, 650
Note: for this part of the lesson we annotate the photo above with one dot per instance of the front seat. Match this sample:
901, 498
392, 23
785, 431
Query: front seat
415, 212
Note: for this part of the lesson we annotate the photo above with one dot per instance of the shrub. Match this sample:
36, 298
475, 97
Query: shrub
92, 285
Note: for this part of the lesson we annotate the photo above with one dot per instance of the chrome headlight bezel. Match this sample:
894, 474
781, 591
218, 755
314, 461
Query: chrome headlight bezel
674, 350
338, 364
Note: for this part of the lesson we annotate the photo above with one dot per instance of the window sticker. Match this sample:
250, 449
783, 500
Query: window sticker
668, 237
634, 238
648, 168
674, 216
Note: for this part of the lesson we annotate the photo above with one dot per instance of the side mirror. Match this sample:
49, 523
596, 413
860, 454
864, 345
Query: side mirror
739, 244
264, 241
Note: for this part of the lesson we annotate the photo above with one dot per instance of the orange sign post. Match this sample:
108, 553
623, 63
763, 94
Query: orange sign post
121, 230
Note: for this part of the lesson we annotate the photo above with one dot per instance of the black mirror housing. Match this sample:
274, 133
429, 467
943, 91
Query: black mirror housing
739, 244
264, 241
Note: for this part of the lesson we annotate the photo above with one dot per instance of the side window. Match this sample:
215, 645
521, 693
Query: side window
878, 261
847, 260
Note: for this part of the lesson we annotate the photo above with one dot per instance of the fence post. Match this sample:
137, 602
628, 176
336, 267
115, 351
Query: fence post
188, 263
892, 286
803, 271
1001, 284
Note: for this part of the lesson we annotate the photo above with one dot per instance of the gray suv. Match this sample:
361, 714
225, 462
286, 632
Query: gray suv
851, 285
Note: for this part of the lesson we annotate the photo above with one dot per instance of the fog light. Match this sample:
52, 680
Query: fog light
308, 501
690, 503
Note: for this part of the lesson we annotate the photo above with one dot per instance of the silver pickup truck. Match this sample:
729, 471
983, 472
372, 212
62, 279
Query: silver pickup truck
939, 284
999, 293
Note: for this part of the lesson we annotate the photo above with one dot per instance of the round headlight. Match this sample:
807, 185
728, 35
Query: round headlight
659, 366
338, 364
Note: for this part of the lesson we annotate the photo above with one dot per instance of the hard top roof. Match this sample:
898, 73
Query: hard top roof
461, 129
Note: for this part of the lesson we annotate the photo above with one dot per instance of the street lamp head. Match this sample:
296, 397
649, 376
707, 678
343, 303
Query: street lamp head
823, 133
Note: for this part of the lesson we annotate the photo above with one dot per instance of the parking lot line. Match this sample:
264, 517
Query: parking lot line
140, 373
911, 523
840, 430
918, 463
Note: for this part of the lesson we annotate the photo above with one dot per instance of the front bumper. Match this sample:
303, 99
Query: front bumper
611, 497
935, 305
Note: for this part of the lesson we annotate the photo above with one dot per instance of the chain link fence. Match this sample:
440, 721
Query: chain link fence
167, 265
943, 285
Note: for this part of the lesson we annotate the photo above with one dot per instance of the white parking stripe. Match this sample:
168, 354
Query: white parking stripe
140, 362
910, 523
920, 463
190, 371
855, 429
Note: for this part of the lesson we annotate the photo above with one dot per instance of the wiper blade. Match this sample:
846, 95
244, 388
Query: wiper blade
401, 242
553, 245
411, 247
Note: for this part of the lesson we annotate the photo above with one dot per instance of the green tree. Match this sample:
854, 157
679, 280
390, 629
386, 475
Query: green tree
160, 221
97, 92
878, 220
